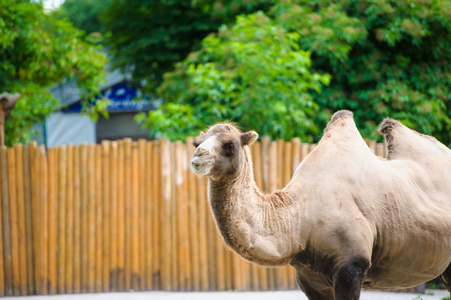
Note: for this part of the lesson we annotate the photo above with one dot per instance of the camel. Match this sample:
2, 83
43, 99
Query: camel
347, 219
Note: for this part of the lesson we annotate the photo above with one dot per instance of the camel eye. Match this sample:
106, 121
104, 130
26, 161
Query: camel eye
229, 146
196, 144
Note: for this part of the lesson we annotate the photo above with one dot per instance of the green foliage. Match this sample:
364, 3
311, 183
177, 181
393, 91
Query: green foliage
37, 52
84, 14
146, 37
252, 73
386, 58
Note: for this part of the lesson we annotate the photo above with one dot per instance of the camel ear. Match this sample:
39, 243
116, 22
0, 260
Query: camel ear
249, 137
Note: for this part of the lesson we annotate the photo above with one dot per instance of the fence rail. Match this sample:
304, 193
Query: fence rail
123, 216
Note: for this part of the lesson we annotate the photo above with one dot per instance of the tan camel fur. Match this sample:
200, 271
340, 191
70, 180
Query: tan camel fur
347, 218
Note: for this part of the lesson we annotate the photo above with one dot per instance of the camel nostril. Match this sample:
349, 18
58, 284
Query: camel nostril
200, 152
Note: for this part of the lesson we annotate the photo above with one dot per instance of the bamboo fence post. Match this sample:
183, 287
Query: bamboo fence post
2, 257
22, 224
136, 275
128, 212
62, 207
372, 146
28, 219
77, 219
166, 171
121, 217
14, 222
380, 150
297, 154
145, 266
69, 258
193, 218
220, 263
106, 247
91, 206
304, 151
211, 248
9, 291
157, 212
114, 214
174, 222
84, 203
99, 211
34, 190
52, 154
181, 201
203, 245
43, 220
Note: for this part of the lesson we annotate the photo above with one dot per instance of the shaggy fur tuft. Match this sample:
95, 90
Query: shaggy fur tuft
341, 114
386, 127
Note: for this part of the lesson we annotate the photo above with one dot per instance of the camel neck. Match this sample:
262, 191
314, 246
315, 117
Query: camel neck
251, 222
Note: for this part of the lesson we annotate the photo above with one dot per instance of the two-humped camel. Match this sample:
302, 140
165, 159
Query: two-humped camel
347, 218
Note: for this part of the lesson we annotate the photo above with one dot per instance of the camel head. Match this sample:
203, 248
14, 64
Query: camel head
220, 151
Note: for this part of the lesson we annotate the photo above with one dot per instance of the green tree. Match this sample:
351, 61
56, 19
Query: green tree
37, 52
252, 73
84, 14
386, 58
146, 37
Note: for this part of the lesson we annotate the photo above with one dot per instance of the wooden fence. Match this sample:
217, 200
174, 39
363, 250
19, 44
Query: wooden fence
125, 216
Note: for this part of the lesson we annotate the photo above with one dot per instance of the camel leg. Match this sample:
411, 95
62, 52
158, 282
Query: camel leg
349, 278
312, 286
446, 278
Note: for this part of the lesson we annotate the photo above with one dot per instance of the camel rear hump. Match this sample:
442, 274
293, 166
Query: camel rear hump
405, 143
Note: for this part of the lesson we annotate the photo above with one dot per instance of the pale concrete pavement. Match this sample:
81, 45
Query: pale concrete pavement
279, 295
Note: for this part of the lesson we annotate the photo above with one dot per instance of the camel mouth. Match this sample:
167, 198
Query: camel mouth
201, 167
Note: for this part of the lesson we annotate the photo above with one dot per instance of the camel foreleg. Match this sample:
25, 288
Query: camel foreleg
446, 278
348, 279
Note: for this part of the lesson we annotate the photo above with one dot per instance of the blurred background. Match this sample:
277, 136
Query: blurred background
91, 70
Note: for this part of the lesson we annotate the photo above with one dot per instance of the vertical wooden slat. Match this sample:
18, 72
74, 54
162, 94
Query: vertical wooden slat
91, 206
62, 202
155, 223
14, 221
304, 151
121, 217
193, 219
34, 172
8, 265
297, 154
175, 275
43, 220
2, 257
228, 269
84, 203
136, 275
99, 243
53, 219
77, 215
128, 211
220, 263
106, 247
203, 245
28, 219
144, 236
145, 215
380, 150
211, 248
69, 258
184, 224
114, 213
21, 216
166, 171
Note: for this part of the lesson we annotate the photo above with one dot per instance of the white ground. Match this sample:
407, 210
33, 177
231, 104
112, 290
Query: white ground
282, 295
